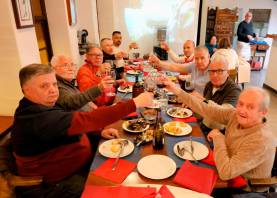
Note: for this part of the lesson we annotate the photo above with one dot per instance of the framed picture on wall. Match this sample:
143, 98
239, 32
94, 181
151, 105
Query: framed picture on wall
71, 12
23, 15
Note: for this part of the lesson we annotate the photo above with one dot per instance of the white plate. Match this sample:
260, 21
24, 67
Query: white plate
156, 166
178, 192
200, 151
125, 125
176, 128
126, 90
179, 112
111, 148
133, 72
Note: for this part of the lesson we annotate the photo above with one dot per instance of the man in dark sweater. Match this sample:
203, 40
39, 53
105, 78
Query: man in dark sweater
220, 89
51, 142
245, 34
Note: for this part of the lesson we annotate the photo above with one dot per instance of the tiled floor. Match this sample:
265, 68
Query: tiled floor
257, 79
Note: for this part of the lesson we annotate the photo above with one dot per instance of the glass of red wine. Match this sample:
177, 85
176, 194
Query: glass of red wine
160, 78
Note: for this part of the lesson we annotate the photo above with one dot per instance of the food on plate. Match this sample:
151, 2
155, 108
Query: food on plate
145, 137
175, 127
115, 146
178, 112
137, 124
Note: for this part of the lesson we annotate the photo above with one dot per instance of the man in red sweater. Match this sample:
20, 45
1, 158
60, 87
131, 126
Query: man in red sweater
51, 142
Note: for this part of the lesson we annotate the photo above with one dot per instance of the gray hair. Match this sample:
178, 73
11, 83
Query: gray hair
266, 97
56, 60
27, 72
202, 48
220, 57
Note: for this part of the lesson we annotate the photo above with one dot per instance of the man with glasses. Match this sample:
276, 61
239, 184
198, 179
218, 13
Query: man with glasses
220, 89
92, 72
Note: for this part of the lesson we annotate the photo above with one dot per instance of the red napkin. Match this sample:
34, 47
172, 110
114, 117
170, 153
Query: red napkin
134, 114
189, 119
209, 159
123, 169
165, 192
196, 177
118, 192
237, 182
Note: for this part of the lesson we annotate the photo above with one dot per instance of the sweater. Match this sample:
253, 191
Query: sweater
248, 152
50, 142
245, 29
70, 98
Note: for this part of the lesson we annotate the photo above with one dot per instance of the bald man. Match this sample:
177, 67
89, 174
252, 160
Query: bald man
248, 146
245, 35
188, 49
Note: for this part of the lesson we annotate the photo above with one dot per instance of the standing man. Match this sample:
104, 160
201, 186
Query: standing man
245, 35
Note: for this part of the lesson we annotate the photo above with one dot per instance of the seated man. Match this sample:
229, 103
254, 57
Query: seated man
52, 143
188, 49
198, 69
248, 146
92, 72
220, 89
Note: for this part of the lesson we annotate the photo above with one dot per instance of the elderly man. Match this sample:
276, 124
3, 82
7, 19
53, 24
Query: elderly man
220, 89
248, 146
188, 49
198, 69
51, 142
245, 34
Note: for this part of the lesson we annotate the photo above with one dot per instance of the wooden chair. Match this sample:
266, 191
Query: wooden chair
8, 178
267, 182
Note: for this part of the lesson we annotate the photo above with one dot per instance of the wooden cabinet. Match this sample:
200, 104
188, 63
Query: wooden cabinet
220, 22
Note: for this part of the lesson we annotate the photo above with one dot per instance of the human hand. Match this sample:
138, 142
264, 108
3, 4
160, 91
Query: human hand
250, 38
213, 133
164, 46
92, 106
106, 82
143, 100
133, 45
105, 67
171, 86
110, 133
154, 59
119, 55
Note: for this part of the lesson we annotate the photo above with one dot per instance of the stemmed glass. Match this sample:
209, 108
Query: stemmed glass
110, 89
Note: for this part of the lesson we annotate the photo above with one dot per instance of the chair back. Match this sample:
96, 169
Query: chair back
233, 74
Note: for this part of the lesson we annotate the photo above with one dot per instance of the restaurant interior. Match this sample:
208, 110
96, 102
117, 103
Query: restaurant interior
161, 150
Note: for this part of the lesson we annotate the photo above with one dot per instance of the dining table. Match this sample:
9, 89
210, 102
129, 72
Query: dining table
146, 149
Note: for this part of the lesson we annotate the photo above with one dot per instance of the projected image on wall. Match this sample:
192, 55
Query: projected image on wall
179, 17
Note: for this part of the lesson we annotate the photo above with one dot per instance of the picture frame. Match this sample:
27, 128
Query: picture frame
71, 12
23, 14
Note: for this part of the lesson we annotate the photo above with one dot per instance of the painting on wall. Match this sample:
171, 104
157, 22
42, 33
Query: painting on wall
23, 13
71, 12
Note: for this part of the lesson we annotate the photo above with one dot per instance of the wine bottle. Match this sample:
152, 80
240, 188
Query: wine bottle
137, 87
158, 139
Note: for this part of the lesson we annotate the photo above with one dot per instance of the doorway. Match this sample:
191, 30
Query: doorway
42, 31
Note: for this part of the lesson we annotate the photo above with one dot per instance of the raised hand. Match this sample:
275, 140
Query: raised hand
143, 100
164, 46
110, 133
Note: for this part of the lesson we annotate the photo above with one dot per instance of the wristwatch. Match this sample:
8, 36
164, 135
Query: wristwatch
206, 101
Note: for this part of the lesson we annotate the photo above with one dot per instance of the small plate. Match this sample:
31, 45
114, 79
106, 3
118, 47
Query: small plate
111, 148
126, 123
200, 151
179, 112
133, 72
176, 128
127, 89
156, 166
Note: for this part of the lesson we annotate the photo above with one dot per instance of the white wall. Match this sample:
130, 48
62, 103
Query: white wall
18, 48
272, 69
245, 5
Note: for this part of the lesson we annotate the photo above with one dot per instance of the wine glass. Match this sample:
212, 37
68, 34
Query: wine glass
189, 84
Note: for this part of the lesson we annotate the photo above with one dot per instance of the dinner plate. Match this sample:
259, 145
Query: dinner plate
128, 89
178, 192
111, 148
156, 166
176, 128
126, 123
179, 112
133, 72
200, 151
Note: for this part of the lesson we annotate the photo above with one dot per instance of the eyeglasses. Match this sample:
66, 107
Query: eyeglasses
68, 65
217, 71
96, 55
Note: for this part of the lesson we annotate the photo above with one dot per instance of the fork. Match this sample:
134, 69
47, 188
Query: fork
122, 144
194, 159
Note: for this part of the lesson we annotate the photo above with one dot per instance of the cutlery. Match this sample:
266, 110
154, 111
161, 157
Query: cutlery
143, 138
180, 151
122, 144
194, 159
